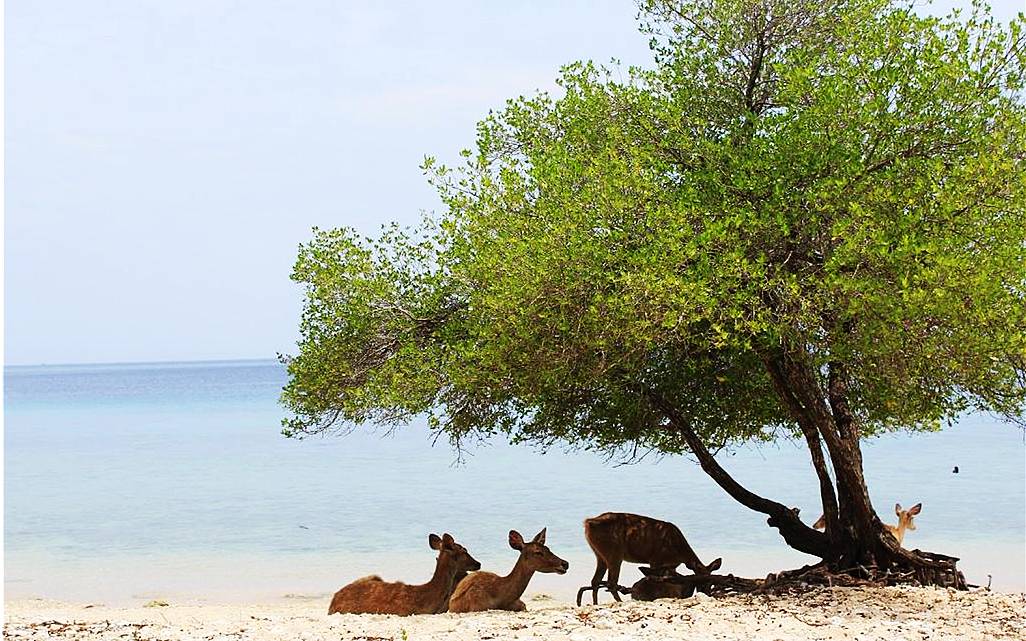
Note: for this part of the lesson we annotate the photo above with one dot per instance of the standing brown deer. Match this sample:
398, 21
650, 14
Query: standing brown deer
372, 595
616, 537
904, 521
488, 591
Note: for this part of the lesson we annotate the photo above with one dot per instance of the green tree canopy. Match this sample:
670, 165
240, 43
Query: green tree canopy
806, 218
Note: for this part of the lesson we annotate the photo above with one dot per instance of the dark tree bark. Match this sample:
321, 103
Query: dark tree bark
812, 439
856, 541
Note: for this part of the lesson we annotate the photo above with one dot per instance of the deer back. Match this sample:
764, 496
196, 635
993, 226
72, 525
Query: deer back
372, 595
639, 539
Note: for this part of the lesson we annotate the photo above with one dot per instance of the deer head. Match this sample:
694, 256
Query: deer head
709, 569
456, 553
905, 516
536, 556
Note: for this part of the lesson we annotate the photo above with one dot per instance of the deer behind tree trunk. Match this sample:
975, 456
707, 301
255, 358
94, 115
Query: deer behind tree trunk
905, 521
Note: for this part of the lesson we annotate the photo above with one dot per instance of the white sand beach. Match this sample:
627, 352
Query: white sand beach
838, 613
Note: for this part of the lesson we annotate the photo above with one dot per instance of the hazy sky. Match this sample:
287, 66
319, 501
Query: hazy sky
165, 158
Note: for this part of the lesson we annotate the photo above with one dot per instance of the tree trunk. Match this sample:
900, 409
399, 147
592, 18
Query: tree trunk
858, 540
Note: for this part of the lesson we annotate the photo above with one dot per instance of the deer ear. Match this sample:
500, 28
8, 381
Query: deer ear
447, 540
515, 540
897, 509
915, 509
540, 537
434, 542
715, 565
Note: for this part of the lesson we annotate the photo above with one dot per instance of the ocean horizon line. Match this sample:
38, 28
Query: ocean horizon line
198, 361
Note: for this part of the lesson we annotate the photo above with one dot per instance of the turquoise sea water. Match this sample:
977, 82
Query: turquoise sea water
127, 482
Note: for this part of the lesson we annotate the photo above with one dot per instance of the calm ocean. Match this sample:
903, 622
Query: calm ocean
171, 480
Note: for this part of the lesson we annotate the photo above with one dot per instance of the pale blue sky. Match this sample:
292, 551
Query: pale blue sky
165, 158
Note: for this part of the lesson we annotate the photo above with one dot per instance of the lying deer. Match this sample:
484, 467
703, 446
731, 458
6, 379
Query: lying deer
904, 521
372, 595
488, 591
661, 583
616, 537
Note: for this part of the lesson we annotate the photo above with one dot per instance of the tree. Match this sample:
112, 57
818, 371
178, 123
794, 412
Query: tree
807, 219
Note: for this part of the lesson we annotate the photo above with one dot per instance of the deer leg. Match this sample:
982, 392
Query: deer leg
596, 580
517, 606
613, 577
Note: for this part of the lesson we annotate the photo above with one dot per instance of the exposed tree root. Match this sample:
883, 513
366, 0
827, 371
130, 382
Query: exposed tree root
913, 567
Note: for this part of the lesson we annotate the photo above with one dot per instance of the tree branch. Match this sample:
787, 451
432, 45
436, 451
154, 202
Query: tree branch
798, 535
812, 439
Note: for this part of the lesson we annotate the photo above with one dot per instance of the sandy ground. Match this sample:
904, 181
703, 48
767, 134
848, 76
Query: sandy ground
839, 613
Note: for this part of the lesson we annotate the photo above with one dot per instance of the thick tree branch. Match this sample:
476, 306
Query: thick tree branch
837, 392
812, 439
798, 535
755, 72
804, 397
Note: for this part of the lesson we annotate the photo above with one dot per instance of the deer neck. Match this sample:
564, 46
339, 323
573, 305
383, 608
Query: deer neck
514, 583
688, 557
898, 531
442, 580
